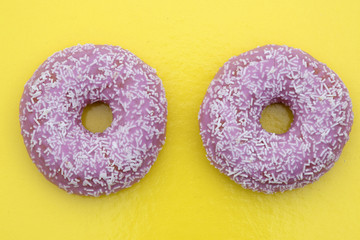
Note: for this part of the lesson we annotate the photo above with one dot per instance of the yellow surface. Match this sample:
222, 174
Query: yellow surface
276, 118
97, 117
183, 196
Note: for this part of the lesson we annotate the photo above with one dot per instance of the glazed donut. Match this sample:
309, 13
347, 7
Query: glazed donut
234, 139
74, 158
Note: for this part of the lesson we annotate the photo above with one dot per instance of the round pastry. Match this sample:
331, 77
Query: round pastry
74, 158
237, 144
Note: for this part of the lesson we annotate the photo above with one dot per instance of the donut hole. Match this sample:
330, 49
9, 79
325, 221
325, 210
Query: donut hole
276, 118
97, 117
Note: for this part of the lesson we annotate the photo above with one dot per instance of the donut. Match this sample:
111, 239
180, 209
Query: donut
234, 139
65, 152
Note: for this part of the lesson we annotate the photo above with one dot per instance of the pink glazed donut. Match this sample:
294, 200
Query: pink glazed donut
74, 158
237, 144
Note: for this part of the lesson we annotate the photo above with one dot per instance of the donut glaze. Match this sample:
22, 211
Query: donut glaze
234, 139
74, 158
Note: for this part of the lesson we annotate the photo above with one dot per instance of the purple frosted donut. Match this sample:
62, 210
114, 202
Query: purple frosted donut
74, 158
234, 139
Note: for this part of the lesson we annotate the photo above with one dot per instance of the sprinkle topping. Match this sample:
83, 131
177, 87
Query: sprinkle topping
70, 156
230, 126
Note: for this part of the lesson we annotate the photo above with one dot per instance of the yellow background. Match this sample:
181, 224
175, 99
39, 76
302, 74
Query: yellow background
183, 196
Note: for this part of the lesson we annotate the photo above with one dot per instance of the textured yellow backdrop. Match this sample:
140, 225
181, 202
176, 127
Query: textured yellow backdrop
183, 196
